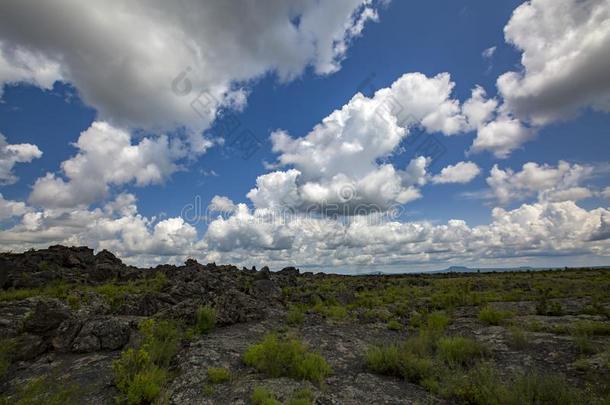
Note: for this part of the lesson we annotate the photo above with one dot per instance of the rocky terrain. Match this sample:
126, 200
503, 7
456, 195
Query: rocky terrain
84, 328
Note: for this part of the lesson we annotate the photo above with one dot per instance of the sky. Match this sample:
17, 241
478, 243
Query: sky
348, 136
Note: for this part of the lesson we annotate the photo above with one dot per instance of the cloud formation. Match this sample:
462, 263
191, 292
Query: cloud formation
123, 57
549, 183
461, 172
107, 155
11, 154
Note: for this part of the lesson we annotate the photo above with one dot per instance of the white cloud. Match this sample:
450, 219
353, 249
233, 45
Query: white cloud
531, 230
462, 172
106, 156
606, 192
548, 183
117, 226
222, 204
501, 136
19, 65
489, 52
336, 165
9, 208
11, 154
123, 57
565, 58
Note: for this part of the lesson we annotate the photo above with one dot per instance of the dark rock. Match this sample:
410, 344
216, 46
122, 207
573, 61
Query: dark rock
106, 333
289, 271
29, 346
263, 274
265, 289
46, 316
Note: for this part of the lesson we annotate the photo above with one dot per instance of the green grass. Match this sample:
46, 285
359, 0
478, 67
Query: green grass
141, 374
295, 316
491, 316
113, 292
205, 319
218, 375
43, 391
262, 396
286, 357
460, 350
393, 324
517, 339
302, 396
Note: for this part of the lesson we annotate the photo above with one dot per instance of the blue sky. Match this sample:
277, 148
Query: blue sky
430, 37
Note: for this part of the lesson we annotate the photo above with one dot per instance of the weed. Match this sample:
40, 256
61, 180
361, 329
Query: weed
205, 319
262, 396
517, 339
491, 316
217, 375
460, 350
302, 396
296, 315
394, 325
286, 357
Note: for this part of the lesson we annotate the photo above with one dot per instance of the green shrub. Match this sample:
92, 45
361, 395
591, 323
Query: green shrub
146, 385
205, 319
286, 357
161, 340
295, 316
436, 323
460, 350
491, 316
517, 339
400, 360
262, 396
394, 325
217, 375
140, 374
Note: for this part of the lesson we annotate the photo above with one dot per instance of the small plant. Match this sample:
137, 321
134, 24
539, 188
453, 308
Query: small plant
286, 357
302, 396
140, 374
218, 375
295, 316
262, 396
491, 316
394, 325
460, 350
517, 339
205, 319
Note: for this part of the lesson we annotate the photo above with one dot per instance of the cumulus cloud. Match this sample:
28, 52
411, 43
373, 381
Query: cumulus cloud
540, 229
222, 204
548, 183
123, 57
566, 64
565, 69
462, 172
502, 136
106, 156
18, 65
337, 163
9, 209
11, 154
117, 226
